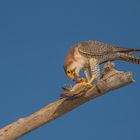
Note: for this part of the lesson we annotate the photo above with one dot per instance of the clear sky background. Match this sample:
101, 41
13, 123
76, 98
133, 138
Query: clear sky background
34, 39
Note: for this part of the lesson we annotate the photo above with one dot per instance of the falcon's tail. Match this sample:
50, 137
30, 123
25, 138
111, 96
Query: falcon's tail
127, 50
129, 58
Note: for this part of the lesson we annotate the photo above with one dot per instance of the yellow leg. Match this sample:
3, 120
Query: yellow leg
91, 80
89, 83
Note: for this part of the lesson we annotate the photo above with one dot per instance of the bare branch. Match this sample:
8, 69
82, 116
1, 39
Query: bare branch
111, 79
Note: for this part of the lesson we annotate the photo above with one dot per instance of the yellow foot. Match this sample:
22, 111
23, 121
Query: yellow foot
91, 80
81, 81
84, 82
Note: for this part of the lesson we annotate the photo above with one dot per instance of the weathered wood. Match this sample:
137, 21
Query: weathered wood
111, 79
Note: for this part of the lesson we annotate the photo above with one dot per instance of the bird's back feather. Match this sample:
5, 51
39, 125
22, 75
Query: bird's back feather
94, 48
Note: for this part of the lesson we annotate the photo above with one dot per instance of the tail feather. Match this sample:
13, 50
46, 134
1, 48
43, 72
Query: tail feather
129, 58
127, 50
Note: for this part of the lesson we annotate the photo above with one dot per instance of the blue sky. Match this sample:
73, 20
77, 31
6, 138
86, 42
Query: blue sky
34, 39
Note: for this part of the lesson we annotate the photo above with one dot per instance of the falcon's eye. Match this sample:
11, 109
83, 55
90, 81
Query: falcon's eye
68, 71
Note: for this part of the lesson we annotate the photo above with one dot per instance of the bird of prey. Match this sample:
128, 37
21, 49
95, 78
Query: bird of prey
88, 55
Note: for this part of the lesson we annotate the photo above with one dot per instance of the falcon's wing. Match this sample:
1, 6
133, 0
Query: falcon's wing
92, 48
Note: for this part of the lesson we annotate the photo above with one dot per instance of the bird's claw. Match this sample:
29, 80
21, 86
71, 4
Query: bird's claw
90, 81
84, 82
81, 81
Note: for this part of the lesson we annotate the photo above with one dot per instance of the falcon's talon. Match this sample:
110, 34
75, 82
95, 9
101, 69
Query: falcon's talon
86, 83
91, 80
81, 80
83, 83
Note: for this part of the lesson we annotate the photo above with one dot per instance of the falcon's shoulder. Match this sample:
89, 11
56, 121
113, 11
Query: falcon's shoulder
95, 48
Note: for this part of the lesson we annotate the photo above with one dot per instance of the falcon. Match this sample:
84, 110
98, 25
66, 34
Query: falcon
88, 55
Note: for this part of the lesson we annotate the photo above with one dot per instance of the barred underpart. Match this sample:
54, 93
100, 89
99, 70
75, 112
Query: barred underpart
94, 67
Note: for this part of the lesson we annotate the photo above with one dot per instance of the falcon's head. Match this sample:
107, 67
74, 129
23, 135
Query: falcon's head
74, 62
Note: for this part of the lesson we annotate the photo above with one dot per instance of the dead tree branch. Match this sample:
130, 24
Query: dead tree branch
111, 79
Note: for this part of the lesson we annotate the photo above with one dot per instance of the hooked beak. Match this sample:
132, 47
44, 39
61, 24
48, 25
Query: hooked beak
71, 77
